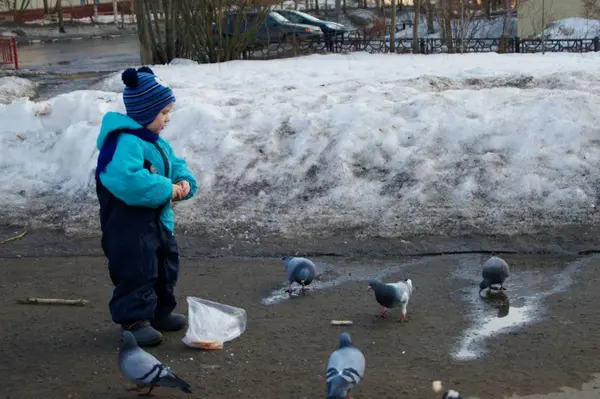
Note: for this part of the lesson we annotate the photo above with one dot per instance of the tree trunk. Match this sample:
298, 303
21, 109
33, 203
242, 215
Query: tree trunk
417, 17
46, 8
430, 10
393, 31
487, 8
338, 9
61, 22
146, 56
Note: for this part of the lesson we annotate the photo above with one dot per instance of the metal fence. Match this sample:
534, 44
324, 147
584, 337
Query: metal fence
359, 41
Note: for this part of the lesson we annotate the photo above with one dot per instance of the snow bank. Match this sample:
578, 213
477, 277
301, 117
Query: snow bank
574, 28
12, 87
376, 145
474, 29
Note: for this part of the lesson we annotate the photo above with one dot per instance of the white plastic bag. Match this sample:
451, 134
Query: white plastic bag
214, 322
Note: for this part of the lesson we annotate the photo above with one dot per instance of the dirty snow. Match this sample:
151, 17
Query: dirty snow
377, 144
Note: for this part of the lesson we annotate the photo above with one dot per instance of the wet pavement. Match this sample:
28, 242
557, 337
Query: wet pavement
81, 56
64, 67
545, 339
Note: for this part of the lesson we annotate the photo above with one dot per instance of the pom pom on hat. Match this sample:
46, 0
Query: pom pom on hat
130, 78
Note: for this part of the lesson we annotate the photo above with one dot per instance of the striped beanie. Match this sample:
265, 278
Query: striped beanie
145, 95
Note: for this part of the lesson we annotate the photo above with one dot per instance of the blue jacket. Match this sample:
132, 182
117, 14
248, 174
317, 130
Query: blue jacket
125, 176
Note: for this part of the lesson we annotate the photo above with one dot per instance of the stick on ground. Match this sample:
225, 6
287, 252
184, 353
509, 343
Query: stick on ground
52, 301
21, 235
341, 322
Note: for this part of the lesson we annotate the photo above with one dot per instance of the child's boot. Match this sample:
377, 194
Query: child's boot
144, 333
170, 322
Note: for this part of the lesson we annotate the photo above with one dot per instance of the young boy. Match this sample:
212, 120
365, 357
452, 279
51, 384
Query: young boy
137, 177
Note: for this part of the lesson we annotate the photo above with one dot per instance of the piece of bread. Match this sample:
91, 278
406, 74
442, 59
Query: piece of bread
207, 345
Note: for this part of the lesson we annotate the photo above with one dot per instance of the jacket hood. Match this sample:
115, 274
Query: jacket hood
113, 121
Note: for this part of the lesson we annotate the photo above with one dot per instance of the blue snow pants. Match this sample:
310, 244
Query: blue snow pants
143, 259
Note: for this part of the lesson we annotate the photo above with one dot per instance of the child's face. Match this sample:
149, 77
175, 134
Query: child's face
161, 120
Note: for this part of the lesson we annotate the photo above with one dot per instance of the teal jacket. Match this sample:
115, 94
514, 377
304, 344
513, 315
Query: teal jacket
126, 178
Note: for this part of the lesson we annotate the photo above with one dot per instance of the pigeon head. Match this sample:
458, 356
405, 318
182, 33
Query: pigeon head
129, 340
484, 284
375, 285
409, 283
381, 289
345, 340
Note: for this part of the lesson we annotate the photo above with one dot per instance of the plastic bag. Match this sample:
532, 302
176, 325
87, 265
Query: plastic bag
210, 324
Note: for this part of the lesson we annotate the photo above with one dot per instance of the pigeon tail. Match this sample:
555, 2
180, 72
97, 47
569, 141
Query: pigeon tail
172, 381
303, 274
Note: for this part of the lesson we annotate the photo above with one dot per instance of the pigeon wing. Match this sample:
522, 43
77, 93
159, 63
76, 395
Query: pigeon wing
140, 366
402, 291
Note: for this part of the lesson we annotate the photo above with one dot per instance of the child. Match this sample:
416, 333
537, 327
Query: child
137, 177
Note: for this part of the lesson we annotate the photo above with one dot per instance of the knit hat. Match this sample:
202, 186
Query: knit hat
145, 95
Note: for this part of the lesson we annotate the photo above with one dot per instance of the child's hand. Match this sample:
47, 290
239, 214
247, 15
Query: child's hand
185, 187
177, 192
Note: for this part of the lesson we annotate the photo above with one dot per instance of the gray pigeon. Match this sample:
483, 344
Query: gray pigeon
144, 370
451, 394
299, 270
345, 369
495, 271
392, 295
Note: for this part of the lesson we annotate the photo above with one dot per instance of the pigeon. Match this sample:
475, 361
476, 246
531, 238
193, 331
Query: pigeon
451, 394
345, 369
145, 370
299, 270
392, 295
495, 271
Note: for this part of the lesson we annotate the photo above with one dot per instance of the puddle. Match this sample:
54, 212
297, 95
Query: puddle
332, 274
521, 304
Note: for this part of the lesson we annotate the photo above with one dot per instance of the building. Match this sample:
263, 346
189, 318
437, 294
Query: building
36, 4
531, 21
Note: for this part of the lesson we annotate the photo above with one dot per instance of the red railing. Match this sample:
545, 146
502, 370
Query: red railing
69, 12
8, 52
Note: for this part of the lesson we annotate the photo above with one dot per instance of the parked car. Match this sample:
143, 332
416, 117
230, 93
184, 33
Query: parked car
274, 29
329, 28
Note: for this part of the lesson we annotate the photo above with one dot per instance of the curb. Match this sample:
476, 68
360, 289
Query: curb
67, 39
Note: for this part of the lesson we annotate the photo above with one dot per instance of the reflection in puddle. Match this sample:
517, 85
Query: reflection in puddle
521, 304
329, 275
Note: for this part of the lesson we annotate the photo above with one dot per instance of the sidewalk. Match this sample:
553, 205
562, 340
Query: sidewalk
36, 34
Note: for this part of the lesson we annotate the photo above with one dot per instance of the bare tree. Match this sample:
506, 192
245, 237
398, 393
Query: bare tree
59, 11
16, 5
444, 16
417, 17
487, 8
591, 9
430, 13
198, 29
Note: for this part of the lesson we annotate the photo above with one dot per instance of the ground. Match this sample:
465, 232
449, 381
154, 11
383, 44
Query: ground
60, 351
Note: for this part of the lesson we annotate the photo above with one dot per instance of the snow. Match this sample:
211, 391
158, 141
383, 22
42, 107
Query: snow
12, 88
573, 28
376, 145
473, 29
